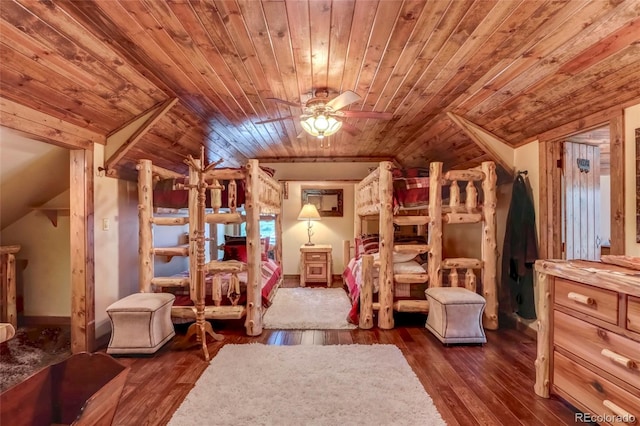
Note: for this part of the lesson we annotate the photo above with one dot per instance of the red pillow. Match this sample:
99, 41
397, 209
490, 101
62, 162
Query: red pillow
358, 250
235, 252
370, 243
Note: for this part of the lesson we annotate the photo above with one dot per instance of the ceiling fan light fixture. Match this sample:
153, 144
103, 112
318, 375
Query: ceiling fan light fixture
321, 125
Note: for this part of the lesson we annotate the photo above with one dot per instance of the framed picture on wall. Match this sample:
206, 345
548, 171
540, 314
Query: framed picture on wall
328, 201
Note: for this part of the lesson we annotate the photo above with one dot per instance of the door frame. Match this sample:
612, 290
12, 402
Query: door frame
550, 168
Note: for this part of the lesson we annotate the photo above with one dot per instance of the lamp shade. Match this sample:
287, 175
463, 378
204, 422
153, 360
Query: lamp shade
309, 212
321, 125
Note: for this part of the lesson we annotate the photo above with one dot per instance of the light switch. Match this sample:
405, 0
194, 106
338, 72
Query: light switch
105, 224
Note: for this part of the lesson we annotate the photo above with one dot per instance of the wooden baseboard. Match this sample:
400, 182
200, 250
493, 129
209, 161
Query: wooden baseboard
42, 320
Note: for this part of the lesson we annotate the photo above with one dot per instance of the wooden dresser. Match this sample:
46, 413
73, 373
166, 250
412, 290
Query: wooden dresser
589, 338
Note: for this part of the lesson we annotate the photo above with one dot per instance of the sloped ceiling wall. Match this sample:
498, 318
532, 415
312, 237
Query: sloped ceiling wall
31, 174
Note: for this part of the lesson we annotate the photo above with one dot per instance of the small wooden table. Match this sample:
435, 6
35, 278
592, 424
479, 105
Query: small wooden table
315, 264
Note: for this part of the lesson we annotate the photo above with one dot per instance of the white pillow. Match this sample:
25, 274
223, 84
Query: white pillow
402, 257
410, 267
397, 257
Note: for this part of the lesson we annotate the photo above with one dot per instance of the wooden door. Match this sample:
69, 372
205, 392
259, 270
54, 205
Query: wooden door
581, 170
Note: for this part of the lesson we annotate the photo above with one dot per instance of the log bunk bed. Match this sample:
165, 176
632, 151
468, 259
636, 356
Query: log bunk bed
262, 200
375, 198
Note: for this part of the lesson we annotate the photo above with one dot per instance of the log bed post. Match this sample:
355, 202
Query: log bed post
253, 322
542, 287
435, 225
278, 230
489, 246
385, 292
145, 212
366, 293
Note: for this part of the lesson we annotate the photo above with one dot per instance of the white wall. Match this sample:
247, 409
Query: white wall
46, 280
631, 122
329, 230
527, 157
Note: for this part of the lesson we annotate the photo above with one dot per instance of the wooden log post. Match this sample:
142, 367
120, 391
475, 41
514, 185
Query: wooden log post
8, 264
470, 280
145, 233
366, 293
216, 290
490, 246
454, 196
543, 371
453, 278
232, 195
216, 196
346, 252
471, 202
435, 225
253, 321
385, 292
278, 230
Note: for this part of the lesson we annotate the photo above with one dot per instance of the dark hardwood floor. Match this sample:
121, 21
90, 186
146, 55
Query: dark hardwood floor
487, 385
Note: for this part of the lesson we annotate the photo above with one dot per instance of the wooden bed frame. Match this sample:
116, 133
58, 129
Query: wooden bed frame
263, 197
374, 197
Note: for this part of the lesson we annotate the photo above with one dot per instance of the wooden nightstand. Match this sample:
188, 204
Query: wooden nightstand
315, 264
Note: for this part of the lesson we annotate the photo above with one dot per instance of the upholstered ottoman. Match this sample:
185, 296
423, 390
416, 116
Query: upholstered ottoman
140, 323
455, 315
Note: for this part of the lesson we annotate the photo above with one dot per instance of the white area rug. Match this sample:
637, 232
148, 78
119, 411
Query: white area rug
308, 385
309, 309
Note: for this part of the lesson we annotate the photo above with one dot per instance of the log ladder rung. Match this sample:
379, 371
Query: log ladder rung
462, 263
225, 218
411, 278
416, 305
411, 220
411, 248
170, 281
171, 251
225, 266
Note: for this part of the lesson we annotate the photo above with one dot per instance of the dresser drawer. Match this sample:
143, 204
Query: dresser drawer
315, 257
599, 396
613, 353
633, 313
596, 302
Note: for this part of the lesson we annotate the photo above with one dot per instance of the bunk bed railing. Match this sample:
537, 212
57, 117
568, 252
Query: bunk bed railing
368, 194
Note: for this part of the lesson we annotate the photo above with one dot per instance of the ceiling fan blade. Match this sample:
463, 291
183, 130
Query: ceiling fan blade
273, 119
367, 114
350, 128
344, 99
282, 101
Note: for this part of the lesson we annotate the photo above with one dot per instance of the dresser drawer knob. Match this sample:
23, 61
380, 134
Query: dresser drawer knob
624, 415
581, 298
617, 358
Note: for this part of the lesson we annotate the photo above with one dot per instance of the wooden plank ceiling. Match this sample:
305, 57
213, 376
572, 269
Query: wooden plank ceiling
517, 68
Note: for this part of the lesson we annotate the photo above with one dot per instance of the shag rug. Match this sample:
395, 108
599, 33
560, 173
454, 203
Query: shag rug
30, 350
309, 309
332, 385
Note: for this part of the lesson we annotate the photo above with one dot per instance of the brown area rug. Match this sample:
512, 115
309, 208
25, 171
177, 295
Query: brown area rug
32, 349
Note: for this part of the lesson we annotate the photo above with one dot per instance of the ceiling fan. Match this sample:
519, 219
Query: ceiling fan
322, 117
